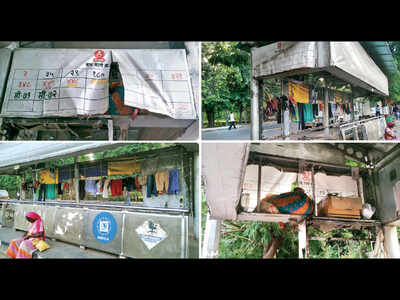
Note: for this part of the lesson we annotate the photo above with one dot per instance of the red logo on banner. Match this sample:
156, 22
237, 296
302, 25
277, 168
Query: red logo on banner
99, 54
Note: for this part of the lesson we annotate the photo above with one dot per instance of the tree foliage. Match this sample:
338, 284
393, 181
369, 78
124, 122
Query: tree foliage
225, 78
394, 80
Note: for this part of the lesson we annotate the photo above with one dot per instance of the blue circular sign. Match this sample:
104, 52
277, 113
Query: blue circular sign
104, 227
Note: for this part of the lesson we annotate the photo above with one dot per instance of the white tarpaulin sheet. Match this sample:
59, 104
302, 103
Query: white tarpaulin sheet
345, 60
12, 153
273, 181
5, 59
157, 80
71, 82
354, 60
223, 167
57, 82
276, 58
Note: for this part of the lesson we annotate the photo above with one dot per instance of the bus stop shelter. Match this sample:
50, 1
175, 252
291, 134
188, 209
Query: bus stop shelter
99, 90
73, 221
263, 168
361, 68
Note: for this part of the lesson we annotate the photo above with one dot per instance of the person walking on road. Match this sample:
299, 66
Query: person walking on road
232, 120
396, 112
378, 110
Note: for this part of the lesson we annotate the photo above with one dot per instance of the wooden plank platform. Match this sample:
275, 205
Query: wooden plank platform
284, 218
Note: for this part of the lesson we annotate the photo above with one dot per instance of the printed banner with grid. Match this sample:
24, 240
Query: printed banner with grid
57, 82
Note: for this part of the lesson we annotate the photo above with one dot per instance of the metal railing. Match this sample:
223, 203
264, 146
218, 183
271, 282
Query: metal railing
102, 205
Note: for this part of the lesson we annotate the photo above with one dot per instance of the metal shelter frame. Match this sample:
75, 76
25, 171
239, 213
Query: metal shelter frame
329, 78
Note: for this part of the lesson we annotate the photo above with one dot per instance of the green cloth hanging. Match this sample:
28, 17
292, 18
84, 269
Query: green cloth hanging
37, 192
308, 112
51, 191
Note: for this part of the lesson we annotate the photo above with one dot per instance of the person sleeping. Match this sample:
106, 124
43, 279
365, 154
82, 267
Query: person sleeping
296, 202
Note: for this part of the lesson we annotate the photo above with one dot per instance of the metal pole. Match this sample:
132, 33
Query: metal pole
391, 241
352, 104
110, 130
302, 236
196, 179
76, 176
260, 108
254, 98
285, 125
259, 186
211, 238
326, 110
313, 190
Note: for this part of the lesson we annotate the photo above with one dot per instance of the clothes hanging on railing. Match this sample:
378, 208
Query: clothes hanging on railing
81, 189
315, 110
275, 104
308, 112
302, 124
42, 192
116, 187
173, 181
106, 186
91, 187
161, 179
299, 92
151, 186
51, 191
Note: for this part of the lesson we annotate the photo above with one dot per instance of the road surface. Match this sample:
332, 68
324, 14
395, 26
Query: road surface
270, 129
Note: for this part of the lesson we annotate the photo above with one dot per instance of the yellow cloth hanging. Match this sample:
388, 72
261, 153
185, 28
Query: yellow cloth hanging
123, 167
47, 177
299, 92
337, 98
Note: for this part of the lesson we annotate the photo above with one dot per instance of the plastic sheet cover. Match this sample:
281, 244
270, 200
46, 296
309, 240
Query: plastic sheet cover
5, 59
275, 59
345, 60
57, 82
353, 59
223, 171
157, 80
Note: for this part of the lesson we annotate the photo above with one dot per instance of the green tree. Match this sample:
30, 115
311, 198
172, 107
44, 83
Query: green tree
225, 79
